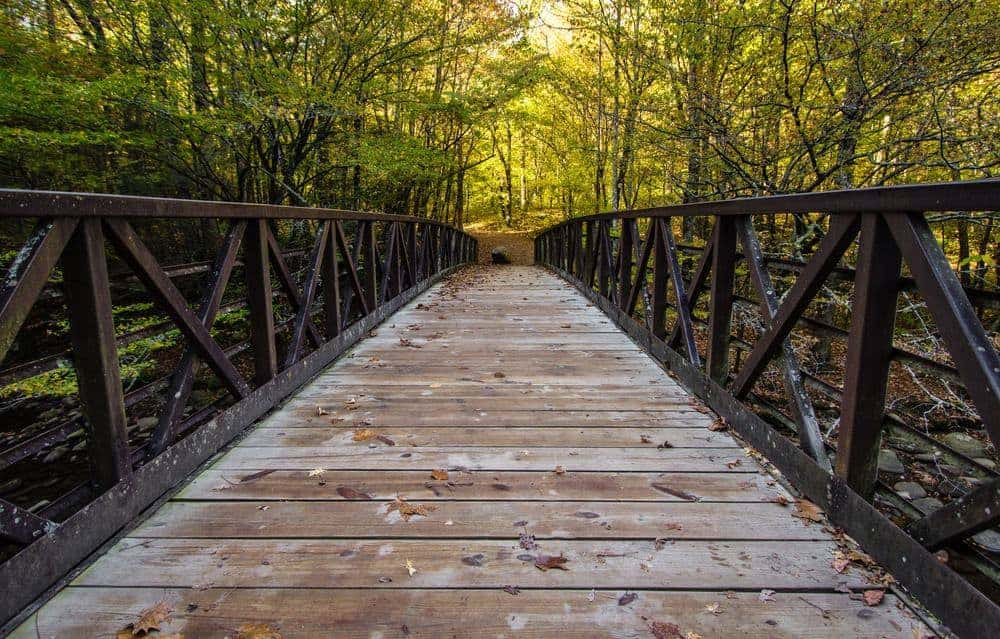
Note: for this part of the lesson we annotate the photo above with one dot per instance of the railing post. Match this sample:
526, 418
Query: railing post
257, 271
369, 250
331, 283
869, 349
625, 248
721, 297
659, 310
95, 353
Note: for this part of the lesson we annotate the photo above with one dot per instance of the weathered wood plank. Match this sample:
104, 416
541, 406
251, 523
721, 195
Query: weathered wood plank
83, 613
454, 414
486, 458
355, 563
459, 519
336, 436
500, 486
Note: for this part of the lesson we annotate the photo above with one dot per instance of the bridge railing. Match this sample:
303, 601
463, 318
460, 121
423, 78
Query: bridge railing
120, 375
737, 326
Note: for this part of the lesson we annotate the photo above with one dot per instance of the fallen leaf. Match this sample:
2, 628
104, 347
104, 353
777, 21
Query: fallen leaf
257, 475
549, 562
676, 492
511, 590
149, 619
316, 472
499, 375
766, 595
320, 410
717, 426
592, 595
350, 493
840, 565
407, 510
476, 560
805, 509
663, 630
385, 440
527, 541
407, 343
714, 608
693, 635
627, 598
559, 470
257, 631
410, 568
439, 474
645, 439
779, 499
364, 434
734, 463
665, 444
873, 597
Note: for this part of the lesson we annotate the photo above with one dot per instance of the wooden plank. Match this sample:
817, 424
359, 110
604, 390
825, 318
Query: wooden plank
499, 486
446, 414
486, 458
338, 436
356, 563
460, 519
302, 613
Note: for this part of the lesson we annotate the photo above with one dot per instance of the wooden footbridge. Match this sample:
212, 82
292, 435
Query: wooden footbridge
408, 447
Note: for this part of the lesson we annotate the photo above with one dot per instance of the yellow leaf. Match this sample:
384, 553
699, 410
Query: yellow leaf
257, 631
440, 475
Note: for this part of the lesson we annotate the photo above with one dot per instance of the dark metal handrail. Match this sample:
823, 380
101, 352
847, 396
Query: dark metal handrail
632, 272
361, 267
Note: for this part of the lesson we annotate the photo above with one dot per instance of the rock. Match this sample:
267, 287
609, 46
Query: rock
888, 462
909, 490
988, 539
972, 481
147, 423
928, 457
82, 445
965, 444
985, 462
55, 454
500, 255
927, 505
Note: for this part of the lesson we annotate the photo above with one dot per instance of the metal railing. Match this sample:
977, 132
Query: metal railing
629, 264
358, 268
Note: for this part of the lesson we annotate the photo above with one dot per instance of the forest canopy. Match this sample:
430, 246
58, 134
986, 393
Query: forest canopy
473, 109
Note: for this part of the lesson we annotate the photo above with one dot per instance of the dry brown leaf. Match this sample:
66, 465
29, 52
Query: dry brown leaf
718, 425
149, 619
840, 565
559, 470
407, 510
511, 590
257, 631
364, 434
805, 509
627, 598
316, 472
645, 439
873, 597
320, 410
734, 463
779, 499
714, 608
549, 562
439, 474
410, 568
663, 630
350, 493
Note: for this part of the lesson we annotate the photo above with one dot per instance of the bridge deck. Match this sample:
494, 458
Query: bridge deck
558, 438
